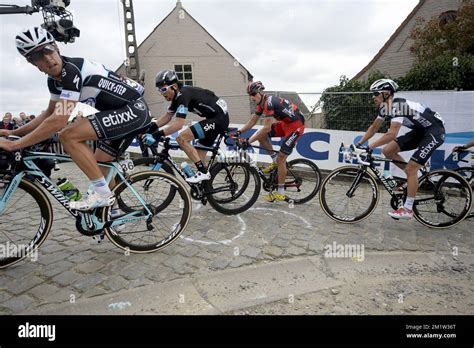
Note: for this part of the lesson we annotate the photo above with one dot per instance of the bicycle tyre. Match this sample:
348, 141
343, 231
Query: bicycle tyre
230, 206
439, 193
44, 228
148, 162
176, 227
468, 174
292, 165
331, 195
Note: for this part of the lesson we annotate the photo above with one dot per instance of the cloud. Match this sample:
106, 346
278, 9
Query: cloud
289, 44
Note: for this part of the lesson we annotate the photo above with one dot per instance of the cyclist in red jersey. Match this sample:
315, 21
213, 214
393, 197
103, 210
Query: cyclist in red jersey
289, 126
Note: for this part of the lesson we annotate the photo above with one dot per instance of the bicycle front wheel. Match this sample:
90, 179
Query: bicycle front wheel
24, 223
302, 181
443, 199
169, 216
233, 188
349, 194
468, 174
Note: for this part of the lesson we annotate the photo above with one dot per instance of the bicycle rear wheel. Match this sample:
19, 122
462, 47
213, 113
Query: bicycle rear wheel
302, 180
233, 188
24, 223
170, 217
349, 194
443, 199
468, 174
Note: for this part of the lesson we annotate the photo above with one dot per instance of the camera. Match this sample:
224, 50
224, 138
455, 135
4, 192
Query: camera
57, 20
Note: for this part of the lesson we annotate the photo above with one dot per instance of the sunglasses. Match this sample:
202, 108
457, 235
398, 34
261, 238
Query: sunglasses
253, 94
376, 94
38, 55
163, 90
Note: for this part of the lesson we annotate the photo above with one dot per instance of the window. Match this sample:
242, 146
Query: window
446, 18
185, 74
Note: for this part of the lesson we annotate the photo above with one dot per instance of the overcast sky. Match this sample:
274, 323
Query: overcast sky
297, 45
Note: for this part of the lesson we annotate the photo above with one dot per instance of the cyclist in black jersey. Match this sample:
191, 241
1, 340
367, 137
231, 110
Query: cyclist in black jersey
186, 99
426, 135
122, 111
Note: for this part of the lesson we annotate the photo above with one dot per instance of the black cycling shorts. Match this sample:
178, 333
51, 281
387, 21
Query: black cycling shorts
424, 141
114, 127
207, 130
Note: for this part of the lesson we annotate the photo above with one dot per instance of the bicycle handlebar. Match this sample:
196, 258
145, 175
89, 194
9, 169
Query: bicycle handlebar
352, 151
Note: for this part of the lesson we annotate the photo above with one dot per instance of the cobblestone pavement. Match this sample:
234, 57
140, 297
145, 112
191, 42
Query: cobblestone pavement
71, 266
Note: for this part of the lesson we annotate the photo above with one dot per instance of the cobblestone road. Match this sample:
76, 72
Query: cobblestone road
71, 266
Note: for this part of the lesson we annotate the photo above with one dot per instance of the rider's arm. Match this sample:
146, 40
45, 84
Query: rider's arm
52, 124
267, 127
175, 126
30, 126
374, 127
165, 119
387, 137
250, 123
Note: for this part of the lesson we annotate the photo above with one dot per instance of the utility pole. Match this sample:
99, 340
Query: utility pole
132, 64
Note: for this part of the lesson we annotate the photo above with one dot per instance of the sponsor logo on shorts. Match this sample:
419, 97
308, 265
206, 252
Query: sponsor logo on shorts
115, 119
209, 126
291, 139
140, 106
427, 149
96, 127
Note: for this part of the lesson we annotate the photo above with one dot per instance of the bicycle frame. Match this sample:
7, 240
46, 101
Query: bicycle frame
89, 220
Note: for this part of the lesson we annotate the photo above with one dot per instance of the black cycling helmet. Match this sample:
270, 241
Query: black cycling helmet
166, 77
255, 87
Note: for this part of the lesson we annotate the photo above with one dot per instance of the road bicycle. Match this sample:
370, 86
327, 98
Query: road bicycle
303, 178
234, 185
466, 171
149, 220
351, 193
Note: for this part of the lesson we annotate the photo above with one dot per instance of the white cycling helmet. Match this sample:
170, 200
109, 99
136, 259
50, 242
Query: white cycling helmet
32, 38
384, 85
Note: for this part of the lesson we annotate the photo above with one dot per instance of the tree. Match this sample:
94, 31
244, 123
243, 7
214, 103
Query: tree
444, 52
346, 108
451, 33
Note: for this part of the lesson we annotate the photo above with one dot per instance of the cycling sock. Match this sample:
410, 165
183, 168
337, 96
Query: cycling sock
274, 157
281, 189
200, 167
101, 187
409, 203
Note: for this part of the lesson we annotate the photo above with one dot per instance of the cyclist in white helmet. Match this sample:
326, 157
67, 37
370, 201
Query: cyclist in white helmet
122, 111
426, 135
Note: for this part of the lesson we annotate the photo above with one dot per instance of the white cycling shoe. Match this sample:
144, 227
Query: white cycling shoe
92, 201
199, 177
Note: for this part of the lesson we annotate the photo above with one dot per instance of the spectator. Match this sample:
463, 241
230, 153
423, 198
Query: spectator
23, 117
18, 121
7, 122
32, 117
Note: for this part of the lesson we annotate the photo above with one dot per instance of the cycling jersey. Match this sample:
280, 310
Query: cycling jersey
199, 101
94, 84
279, 108
123, 113
412, 115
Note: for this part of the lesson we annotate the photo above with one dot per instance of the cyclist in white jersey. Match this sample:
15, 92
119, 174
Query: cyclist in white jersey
122, 111
426, 135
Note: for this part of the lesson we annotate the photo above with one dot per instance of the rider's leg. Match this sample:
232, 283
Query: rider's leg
282, 171
184, 141
74, 140
102, 156
411, 171
391, 150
